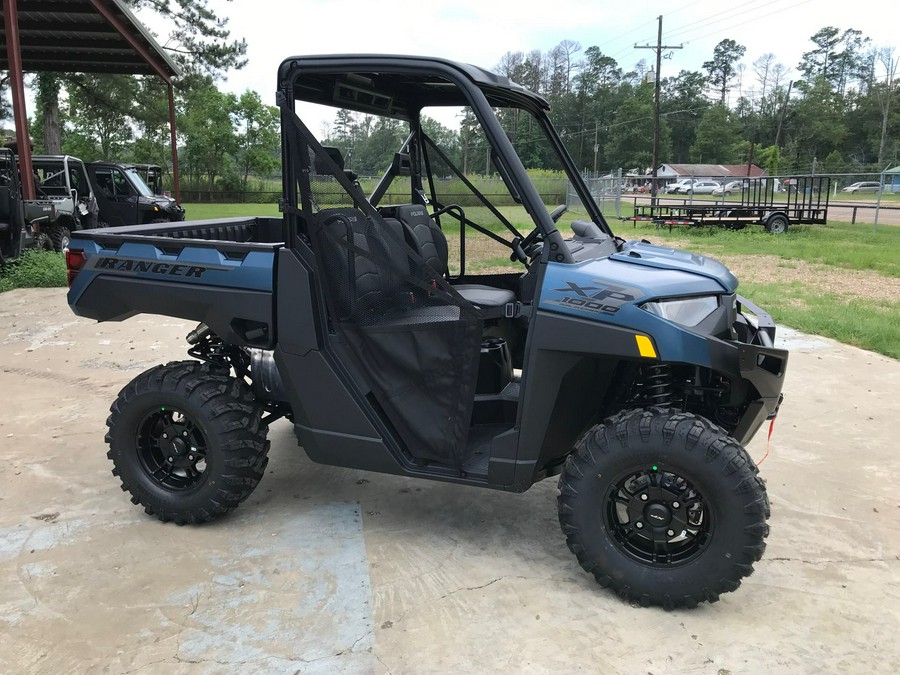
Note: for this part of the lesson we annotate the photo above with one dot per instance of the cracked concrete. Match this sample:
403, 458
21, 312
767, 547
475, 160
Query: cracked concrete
325, 570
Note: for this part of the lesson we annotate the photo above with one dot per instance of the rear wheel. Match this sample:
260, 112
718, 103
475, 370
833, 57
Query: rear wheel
663, 507
187, 441
59, 236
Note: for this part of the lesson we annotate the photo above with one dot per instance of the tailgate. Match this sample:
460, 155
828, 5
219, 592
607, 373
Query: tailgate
226, 285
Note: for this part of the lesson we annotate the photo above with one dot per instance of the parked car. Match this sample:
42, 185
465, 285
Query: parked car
728, 188
863, 186
703, 187
679, 187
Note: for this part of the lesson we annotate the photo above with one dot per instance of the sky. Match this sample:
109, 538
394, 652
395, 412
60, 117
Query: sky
481, 31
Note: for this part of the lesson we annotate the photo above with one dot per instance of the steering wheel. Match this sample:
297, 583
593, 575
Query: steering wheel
521, 248
556, 213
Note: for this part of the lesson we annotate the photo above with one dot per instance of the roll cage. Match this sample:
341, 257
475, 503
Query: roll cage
400, 87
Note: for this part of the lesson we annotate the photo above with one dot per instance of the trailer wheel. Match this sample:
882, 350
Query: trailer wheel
59, 237
663, 507
777, 224
187, 441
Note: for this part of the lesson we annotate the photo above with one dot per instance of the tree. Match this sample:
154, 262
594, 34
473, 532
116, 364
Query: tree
722, 68
885, 94
47, 99
837, 57
199, 39
199, 42
818, 123
98, 110
630, 141
209, 138
716, 137
257, 137
682, 104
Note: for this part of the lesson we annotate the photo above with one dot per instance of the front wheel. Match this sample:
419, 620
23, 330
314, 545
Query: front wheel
187, 441
663, 507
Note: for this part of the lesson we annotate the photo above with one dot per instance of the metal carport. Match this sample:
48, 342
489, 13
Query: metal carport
77, 36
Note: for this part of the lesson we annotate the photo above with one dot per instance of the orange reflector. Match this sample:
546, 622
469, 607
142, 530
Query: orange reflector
645, 346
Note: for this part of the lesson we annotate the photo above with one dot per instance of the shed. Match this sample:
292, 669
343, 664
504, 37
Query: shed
77, 36
890, 179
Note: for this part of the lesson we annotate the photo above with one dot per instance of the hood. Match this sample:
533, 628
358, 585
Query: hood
660, 257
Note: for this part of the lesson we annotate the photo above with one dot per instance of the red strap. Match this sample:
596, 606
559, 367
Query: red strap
768, 442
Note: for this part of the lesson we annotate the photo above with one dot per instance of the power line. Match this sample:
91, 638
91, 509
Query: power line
658, 49
711, 20
743, 23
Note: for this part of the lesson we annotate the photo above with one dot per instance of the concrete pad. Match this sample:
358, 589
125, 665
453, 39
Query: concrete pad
327, 570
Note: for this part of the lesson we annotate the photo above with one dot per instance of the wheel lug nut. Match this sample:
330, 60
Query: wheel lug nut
671, 533
165, 435
184, 433
171, 459
675, 505
191, 457
643, 498
639, 525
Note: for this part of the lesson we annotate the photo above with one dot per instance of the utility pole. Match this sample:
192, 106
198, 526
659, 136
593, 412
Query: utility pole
659, 50
596, 148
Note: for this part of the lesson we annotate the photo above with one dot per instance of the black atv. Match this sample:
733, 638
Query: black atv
125, 199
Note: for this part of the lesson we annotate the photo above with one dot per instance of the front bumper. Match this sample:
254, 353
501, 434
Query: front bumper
753, 359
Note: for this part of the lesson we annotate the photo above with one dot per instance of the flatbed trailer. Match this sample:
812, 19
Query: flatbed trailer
806, 202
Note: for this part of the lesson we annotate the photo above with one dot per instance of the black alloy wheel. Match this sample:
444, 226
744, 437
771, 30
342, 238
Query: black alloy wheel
657, 517
172, 449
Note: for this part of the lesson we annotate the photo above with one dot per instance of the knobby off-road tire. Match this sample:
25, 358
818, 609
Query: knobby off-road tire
187, 441
664, 508
59, 237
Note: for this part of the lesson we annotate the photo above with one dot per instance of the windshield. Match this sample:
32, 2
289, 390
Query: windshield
139, 183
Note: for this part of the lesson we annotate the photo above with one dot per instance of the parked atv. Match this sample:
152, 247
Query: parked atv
125, 199
63, 180
20, 220
433, 331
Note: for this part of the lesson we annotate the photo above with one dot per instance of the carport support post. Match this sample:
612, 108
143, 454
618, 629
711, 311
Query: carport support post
175, 176
14, 54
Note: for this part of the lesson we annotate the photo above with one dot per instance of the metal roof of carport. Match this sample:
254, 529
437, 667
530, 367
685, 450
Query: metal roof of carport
79, 36
87, 37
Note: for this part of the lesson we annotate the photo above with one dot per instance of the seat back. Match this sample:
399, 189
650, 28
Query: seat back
424, 236
361, 266
6, 214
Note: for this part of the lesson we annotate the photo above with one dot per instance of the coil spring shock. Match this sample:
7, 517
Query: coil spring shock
658, 388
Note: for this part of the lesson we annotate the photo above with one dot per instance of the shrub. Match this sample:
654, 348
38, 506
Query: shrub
34, 269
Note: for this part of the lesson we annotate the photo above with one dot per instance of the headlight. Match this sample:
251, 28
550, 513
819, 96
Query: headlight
688, 312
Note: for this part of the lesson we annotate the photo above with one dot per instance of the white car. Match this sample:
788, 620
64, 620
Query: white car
729, 188
702, 187
863, 186
679, 186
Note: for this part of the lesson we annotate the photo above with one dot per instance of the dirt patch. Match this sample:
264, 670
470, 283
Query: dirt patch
771, 269
849, 284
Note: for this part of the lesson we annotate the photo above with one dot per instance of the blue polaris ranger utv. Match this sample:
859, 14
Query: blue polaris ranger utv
431, 328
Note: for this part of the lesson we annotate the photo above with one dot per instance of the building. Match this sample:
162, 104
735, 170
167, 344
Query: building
721, 172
